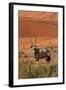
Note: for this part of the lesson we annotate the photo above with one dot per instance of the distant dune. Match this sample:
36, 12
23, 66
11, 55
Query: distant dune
40, 24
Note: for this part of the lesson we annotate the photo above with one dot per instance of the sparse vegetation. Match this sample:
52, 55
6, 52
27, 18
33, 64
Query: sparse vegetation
37, 70
28, 67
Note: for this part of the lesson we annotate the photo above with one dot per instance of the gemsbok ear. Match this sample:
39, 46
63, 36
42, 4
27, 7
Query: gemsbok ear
31, 46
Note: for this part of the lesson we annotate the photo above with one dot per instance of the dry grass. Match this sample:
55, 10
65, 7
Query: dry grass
30, 68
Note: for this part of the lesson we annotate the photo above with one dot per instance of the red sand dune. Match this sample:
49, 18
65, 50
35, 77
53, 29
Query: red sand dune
38, 24
43, 25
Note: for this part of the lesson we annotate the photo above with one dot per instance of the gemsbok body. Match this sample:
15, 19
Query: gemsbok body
40, 53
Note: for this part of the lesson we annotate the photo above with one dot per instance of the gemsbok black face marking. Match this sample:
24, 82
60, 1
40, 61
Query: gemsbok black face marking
40, 53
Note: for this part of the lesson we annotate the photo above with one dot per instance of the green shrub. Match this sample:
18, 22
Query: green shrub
29, 70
